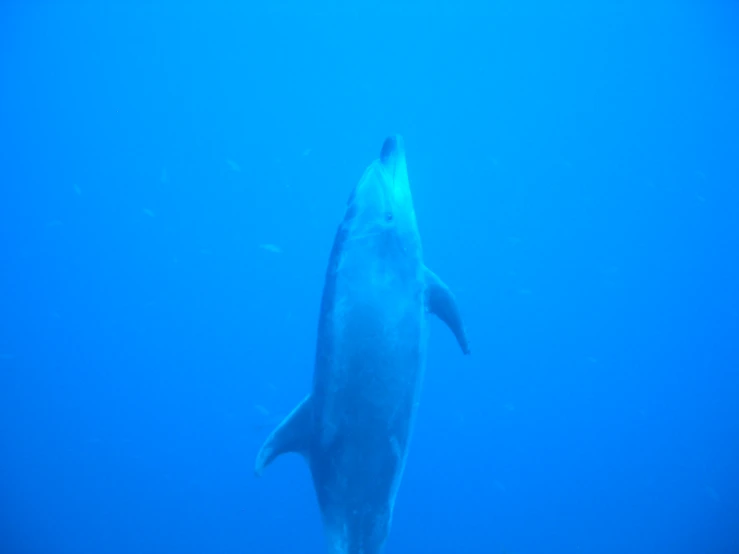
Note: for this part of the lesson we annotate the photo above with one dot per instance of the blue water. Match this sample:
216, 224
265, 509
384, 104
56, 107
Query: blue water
171, 178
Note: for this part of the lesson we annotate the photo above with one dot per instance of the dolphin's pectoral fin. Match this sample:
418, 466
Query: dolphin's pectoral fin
292, 435
441, 302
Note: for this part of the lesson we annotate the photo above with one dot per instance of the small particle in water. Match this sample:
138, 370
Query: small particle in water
700, 198
562, 162
713, 495
592, 360
77, 190
271, 248
148, 212
261, 409
54, 223
164, 178
509, 407
234, 166
524, 292
306, 152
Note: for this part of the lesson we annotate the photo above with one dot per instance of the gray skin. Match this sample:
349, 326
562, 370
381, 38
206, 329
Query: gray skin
354, 427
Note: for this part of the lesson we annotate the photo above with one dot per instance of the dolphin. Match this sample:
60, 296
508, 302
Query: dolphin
354, 427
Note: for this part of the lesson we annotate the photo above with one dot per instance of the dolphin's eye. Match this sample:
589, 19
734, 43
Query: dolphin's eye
388, 216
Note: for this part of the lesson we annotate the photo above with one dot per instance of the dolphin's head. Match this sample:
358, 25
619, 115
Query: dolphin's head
382, 200
362, 531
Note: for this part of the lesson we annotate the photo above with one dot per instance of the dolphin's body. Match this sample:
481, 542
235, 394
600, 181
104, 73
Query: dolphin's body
353, 428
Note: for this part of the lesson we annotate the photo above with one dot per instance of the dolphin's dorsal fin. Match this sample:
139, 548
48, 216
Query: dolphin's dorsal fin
441, 302
292, 435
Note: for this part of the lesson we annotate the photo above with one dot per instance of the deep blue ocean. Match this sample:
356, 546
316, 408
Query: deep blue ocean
171, 178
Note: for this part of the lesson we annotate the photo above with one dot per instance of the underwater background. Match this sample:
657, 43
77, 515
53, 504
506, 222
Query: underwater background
171, 178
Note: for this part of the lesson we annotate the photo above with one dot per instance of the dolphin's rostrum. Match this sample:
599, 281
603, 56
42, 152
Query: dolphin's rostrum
353, 428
